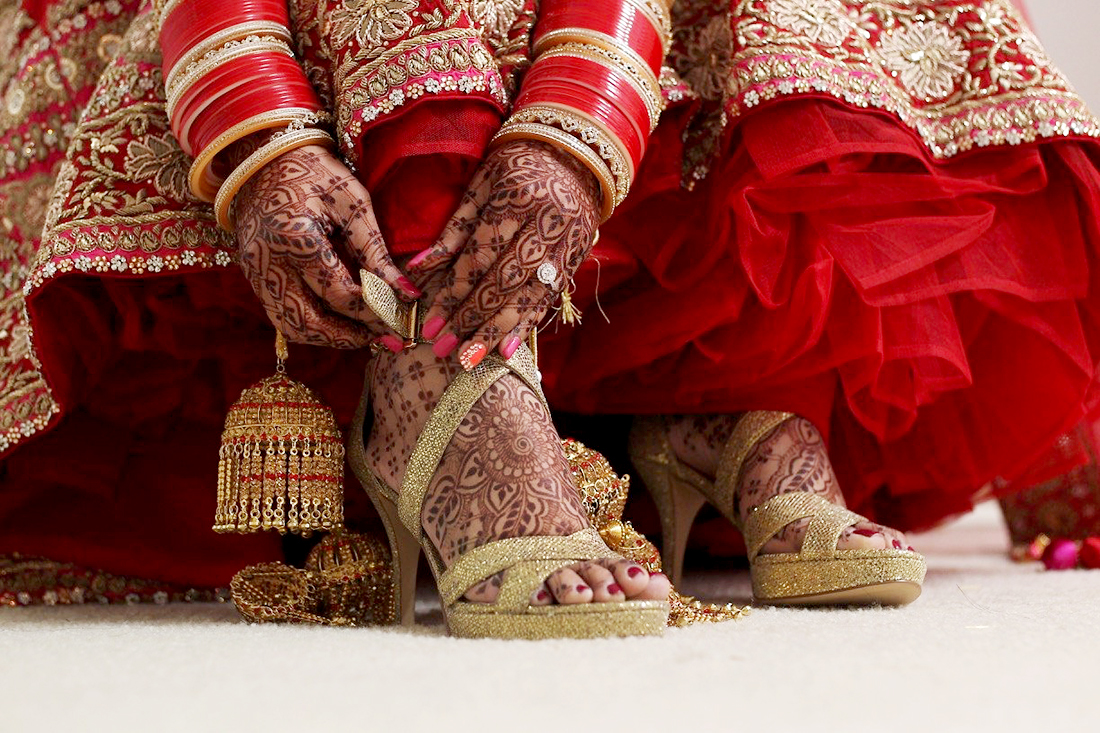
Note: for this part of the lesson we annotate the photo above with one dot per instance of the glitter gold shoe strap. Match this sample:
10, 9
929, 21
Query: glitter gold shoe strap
752, 428
827, 522
460, 396
466, 389
527, 560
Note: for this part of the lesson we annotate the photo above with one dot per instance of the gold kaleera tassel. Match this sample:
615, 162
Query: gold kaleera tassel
281, 462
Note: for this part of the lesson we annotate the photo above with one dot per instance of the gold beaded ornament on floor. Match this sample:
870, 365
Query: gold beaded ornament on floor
281, 462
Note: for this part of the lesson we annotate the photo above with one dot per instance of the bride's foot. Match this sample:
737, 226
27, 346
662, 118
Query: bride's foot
502, 475
792, 458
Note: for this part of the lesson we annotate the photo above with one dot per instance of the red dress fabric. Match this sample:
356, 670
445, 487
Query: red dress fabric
935, 317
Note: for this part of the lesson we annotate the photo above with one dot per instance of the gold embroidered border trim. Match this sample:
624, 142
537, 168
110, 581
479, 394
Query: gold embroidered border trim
1013, 119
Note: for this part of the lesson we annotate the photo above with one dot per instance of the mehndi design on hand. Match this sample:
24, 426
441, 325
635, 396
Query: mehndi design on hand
529, 205
290, 218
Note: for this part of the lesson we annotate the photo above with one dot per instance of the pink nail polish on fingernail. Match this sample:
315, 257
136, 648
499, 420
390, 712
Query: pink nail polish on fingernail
471, 356
444, 346
432, 327
392, 343
407, 285
510, 347
419, 257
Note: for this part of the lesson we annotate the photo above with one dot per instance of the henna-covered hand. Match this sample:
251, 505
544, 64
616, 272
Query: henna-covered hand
290, 218
528, 204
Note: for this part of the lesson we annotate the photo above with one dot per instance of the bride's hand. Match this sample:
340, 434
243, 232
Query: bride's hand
291, 216
528, 204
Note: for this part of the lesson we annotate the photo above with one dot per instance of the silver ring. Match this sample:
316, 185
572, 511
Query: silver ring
547, 274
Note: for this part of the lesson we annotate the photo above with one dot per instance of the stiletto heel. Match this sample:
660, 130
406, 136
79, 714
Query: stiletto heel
406, 559
676, 490
819, 574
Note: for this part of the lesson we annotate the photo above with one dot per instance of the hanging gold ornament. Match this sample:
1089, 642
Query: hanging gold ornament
281, 462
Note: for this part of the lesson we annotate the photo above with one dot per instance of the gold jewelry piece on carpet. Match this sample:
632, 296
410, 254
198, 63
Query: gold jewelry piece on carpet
346, 582
281, 462
603, 494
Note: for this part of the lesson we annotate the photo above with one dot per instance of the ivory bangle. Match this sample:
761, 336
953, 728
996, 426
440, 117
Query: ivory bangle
228, 52
204, 185
567, 143
194, 55
283, 143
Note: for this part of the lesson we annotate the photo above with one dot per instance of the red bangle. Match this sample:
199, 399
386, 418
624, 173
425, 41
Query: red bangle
264, 69
577, 98
192, 20
619, 20
220, 117
598, 79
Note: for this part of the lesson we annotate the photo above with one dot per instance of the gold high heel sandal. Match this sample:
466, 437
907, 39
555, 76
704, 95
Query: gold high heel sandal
525, 561
820, 574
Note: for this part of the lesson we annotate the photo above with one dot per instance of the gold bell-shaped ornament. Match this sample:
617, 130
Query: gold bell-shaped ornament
281, 462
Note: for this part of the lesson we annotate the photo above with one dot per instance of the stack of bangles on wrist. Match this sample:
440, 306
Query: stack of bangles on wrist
592, 90
229, 72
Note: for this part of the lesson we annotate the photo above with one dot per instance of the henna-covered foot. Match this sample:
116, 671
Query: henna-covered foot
792, 458
502, 475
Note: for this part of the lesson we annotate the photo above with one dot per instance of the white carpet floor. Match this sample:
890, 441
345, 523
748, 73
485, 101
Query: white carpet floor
990, 646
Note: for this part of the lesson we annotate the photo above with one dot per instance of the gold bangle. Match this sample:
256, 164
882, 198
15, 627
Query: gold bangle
281, 143
229, 52
590, 132
567, 143
201, 179
195, 54
635, 76
589, 37
659, 15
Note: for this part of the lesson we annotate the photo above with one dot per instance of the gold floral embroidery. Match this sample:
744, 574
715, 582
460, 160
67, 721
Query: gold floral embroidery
926, 58
495, 17
159, 159
824, 22
372, 22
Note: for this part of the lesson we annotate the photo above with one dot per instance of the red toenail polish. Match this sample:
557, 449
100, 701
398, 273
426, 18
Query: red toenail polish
634, 572
897, 545
582, 588
542, 595
912, 549
614, 588
865, 532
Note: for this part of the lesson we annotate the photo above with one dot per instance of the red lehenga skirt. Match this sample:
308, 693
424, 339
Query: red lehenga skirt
882, 216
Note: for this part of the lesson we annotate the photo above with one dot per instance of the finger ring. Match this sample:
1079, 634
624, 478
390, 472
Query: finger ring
547, 274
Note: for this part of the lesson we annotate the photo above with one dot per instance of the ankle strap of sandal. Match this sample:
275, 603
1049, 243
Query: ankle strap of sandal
459, 397
752, 428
